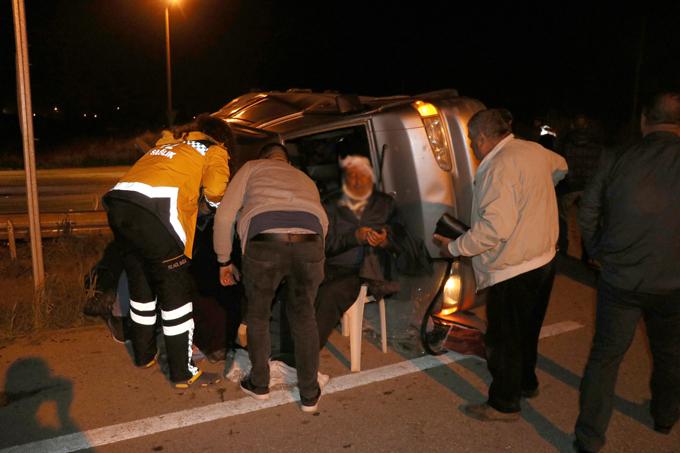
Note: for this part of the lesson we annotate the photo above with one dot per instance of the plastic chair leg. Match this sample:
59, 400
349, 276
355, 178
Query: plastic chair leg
345, 322
356, 319
383, 325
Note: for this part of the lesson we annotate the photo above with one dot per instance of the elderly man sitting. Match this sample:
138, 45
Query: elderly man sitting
362, 225
366, 241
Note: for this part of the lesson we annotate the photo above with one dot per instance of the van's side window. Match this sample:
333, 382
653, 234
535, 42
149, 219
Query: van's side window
318, 155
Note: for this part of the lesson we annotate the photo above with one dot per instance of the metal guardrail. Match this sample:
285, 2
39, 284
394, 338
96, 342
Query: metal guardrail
53, 224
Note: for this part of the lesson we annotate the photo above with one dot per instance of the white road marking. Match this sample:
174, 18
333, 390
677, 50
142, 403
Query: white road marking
558, 328
189, 417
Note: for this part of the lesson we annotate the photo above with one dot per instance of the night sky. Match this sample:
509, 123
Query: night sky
95, 55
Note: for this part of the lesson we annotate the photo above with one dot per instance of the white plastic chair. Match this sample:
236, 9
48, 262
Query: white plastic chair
352, 325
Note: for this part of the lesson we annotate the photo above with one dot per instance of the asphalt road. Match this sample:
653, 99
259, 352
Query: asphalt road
59, 190
78, 389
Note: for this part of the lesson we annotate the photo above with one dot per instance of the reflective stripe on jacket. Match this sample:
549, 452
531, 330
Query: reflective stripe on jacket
169, 178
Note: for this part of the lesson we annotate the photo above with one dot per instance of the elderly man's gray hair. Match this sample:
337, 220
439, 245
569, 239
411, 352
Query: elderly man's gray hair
493, 123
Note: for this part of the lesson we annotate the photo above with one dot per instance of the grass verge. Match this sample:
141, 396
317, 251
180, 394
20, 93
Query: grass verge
59, 304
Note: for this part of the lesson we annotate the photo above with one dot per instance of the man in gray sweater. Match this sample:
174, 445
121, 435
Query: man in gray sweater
282, 226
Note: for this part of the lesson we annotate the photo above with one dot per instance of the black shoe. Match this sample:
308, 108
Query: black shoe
580, 449
100, 304
310, 404
201, 379
528, 394
259, 393
663, 429
118, 327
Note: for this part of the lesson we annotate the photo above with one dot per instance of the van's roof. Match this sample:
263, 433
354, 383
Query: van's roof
283, 110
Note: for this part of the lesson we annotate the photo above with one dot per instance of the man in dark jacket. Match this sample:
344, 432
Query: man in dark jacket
581, 150
631, 224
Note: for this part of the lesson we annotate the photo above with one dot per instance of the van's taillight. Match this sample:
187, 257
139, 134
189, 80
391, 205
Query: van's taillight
436, 135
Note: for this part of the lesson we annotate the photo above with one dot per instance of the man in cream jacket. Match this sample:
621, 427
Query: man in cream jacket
514, 228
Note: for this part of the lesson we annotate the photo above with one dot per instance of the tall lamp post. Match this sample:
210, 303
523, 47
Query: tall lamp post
26, 122
168, 72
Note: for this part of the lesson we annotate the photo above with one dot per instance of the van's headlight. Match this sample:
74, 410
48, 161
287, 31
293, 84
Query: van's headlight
436, 134
452, 291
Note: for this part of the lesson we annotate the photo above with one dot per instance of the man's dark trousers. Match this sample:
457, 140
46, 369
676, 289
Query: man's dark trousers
337, 293
265, 265
515, 311
158, 274
618, 314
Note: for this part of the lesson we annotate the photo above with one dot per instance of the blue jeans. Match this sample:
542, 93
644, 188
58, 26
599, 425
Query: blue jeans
618, 313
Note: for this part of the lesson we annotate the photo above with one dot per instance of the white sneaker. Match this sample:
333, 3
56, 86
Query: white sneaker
323, 379
281, 374
284, 374
310, 405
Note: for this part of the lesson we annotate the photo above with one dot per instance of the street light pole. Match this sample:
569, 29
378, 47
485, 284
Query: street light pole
26, 122
167, 66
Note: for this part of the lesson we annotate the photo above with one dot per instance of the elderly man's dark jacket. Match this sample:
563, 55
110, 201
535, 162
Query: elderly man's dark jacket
630, 215
343, 249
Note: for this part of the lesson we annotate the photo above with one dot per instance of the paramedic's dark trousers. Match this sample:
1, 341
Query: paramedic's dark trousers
617, 317
158, 275
265, 265
515, 311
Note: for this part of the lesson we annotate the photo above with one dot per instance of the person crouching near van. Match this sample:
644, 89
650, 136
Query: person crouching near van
282, 226
152, 211
512, 244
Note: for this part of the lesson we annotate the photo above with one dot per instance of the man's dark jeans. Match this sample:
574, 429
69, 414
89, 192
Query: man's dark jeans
515, 310
618, 314
265, 266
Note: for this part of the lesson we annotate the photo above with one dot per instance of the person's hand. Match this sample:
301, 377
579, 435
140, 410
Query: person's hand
203, 207
229, 275
443, 243
361, 234
377, 238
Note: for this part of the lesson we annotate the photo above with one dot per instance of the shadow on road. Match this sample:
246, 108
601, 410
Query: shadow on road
576, 270
35, 405
637, 411
559, 439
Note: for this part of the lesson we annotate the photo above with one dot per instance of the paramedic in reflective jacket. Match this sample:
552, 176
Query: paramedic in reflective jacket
152, 211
